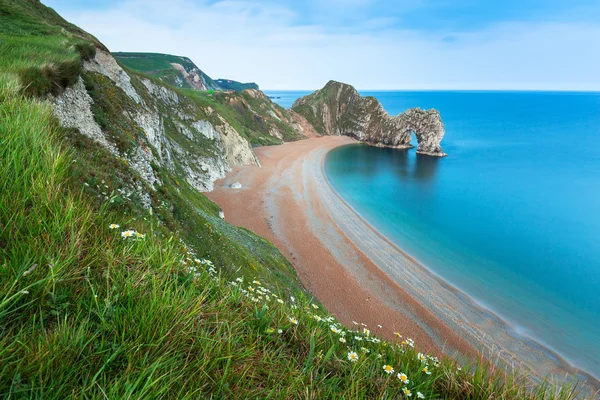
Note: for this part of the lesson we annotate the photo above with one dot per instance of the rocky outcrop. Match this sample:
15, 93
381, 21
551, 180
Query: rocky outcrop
194, 77
73, 110
157, 126
338, 109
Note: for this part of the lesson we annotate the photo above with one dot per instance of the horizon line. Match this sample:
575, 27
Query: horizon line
448, 90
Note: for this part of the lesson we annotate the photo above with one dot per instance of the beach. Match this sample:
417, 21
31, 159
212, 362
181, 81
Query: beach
355, 272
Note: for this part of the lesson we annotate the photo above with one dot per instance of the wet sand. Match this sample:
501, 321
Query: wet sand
356, 272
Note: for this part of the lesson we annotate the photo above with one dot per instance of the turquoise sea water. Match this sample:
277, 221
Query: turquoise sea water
511, 216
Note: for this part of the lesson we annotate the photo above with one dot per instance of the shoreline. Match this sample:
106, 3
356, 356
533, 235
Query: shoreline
292, 203
501, 321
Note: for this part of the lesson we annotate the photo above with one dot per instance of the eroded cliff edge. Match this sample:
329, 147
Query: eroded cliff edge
338, 109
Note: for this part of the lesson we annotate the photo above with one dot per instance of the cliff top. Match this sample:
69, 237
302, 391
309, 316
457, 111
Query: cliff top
177, 71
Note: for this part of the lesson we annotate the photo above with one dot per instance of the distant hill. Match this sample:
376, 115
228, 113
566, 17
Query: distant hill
177, 71
228, 84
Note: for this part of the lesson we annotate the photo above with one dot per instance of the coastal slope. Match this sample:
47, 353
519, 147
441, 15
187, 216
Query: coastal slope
177, 71
338, 109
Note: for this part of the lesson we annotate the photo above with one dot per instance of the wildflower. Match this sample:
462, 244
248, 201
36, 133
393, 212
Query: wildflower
426, 370
114, 226
407, 392
316, 307
421, 357
292, 299
365, 350
380, 327
388, 369
256, 282
375, 340
280, 301
127, 234
318, 319
342, 340
358, 338
270, 330
459, 368
240, 280
397, 334
250, 288
402, 376
352, 356
334, 329
293, 320
140, 235
355, 323
420, 395
366, 332
279, 331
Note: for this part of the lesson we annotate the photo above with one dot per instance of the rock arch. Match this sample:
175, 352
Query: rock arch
428, 128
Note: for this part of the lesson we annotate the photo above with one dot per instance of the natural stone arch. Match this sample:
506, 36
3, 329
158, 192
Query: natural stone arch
338, 109
428, 128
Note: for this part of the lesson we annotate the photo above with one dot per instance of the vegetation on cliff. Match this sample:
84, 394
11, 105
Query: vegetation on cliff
105, 297
177, 71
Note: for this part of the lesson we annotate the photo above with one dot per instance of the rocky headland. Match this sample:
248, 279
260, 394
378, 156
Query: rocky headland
338, 109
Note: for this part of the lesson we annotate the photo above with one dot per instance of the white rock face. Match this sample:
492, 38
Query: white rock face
73, 110
166, 95
237, 148
152, 125
206, 128
140, 161
105, 64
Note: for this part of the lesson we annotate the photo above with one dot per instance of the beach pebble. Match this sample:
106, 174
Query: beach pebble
236, 185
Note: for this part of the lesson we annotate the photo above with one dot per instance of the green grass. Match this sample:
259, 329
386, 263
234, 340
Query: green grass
150, 62
40, 47
159, 66
228, 84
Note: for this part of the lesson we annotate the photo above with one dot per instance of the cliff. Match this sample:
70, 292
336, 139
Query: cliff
338, 109
177, 71
228, 84
146, 122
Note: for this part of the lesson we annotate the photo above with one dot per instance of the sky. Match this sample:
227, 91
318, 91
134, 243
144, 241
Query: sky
371, 44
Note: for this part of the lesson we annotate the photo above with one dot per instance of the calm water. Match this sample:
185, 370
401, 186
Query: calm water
511, 216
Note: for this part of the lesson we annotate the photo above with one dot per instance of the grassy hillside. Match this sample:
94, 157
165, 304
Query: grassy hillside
161, 66
251, 113
228, 84
103, 298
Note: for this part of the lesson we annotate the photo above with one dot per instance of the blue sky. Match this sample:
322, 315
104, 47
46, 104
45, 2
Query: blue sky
372, 44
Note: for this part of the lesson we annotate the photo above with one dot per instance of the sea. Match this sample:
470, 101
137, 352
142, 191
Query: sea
511, 216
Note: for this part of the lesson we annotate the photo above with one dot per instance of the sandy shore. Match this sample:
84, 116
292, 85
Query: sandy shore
356, 272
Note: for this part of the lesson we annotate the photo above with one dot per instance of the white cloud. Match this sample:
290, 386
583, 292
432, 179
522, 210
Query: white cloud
253, 42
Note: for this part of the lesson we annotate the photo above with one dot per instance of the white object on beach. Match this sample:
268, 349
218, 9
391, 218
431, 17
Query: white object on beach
236, 185
221, 214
